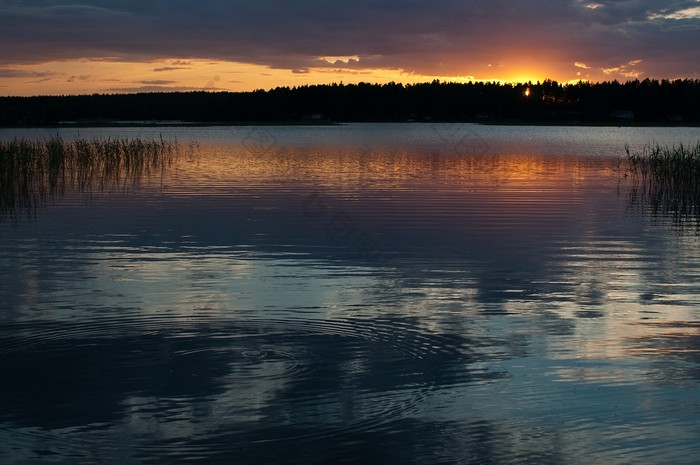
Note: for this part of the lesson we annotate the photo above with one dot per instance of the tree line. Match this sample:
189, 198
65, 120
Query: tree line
645, 101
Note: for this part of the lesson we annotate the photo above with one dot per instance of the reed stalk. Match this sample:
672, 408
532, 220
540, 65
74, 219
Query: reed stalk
32, 171
666, 179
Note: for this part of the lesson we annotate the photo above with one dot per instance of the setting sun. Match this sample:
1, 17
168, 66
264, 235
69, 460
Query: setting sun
273, 231
224, 48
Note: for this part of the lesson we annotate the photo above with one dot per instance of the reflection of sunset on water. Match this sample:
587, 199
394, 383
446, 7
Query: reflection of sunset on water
238, 165
331, 283
592, 280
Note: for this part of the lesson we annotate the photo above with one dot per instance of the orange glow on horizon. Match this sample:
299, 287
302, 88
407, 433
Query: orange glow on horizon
181, 74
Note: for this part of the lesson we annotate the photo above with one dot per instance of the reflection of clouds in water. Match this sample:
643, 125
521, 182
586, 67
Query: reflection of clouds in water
503, 319
179, 277
171, 379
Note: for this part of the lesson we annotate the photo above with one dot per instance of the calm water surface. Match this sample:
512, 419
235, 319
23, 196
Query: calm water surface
408, 293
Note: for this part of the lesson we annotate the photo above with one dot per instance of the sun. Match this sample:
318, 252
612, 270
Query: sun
527, 92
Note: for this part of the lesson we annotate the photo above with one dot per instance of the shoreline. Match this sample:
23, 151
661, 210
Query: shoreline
492, 122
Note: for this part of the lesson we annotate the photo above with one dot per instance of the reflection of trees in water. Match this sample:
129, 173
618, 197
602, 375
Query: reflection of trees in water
664, 182
33, 171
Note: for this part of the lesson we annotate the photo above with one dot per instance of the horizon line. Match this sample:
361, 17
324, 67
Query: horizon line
499, 82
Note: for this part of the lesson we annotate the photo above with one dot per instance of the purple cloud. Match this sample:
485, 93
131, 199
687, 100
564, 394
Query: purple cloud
440, 37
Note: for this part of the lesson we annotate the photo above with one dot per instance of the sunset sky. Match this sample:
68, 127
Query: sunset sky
116, 46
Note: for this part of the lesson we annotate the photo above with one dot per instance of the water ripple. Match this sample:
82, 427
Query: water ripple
345, 297
307, 378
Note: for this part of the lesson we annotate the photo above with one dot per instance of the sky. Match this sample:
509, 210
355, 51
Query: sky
115, 46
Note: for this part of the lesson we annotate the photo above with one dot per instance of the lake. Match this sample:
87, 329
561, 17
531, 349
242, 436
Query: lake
359, 293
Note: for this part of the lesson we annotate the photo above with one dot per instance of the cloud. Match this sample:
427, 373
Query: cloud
340, 59
444, 37
578, 64
38, 81
53, 11
169, 68
692, 12
157, 82
175, 65
154, 88
82, 77
20, 73
627, 70
12, 73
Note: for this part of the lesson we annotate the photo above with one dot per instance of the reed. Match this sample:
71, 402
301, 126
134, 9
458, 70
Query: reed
32, 171
666, 179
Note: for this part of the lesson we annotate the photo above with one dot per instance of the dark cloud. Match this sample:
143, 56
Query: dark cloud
169, 68
83, 77
438, 37
157, 82
156, 88
17, 73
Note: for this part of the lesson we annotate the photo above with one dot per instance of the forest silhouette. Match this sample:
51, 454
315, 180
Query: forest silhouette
634, 102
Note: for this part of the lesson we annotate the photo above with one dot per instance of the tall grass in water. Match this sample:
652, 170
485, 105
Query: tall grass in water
666, 180
32, 171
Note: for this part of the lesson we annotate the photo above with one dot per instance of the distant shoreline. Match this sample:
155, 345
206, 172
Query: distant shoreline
622, 124
493, 122
634, 103
170, 124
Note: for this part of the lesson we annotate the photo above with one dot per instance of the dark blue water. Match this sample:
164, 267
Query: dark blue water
355, 294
